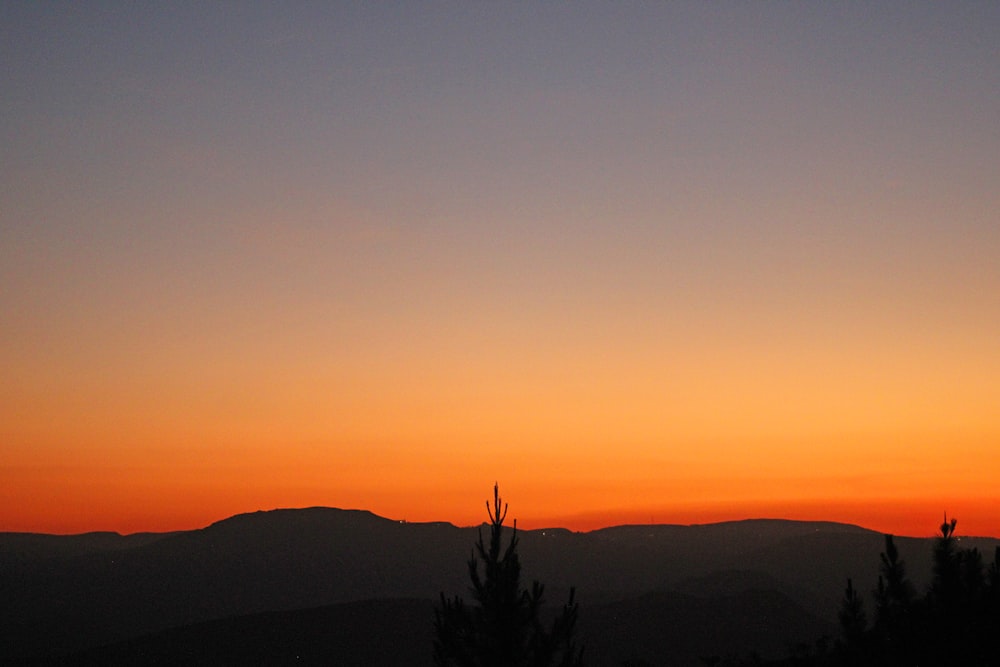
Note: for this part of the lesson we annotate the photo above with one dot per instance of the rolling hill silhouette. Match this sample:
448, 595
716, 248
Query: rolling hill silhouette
690, 590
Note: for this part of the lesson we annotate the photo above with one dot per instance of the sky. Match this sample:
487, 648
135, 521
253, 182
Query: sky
636, 262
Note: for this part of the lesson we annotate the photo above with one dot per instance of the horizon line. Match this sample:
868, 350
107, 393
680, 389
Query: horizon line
533, 524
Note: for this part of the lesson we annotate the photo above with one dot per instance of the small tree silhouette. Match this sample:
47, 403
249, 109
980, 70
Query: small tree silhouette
894, 595
852, 614
947, 577
892, 633
504, 628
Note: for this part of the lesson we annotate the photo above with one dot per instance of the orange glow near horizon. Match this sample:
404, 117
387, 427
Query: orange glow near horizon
178, 491
845, 434
637, 436
64, 513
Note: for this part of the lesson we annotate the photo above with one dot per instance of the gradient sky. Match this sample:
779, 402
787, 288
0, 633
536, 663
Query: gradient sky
635, 261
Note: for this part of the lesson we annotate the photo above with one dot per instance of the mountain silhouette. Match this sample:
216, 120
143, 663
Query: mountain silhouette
67, 594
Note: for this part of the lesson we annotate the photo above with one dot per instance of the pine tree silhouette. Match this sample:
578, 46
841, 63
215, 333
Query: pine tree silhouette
947, 579
892, 631
504, 628
852, 614
956, 622
894, 595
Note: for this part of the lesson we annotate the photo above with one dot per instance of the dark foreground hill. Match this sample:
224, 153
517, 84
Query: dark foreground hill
367, 633
66, 594
656, 629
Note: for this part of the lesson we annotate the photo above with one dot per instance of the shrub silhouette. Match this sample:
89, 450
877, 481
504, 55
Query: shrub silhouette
504, 627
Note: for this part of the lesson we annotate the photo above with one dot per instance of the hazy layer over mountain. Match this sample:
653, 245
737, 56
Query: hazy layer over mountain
63, 594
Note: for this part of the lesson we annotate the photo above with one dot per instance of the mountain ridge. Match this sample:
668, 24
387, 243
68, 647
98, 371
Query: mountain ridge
363, 512
73, 592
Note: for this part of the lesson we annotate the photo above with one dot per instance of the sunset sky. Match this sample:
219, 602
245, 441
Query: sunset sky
669, 262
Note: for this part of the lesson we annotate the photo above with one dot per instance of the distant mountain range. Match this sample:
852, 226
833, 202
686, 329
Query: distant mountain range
334, 586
